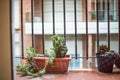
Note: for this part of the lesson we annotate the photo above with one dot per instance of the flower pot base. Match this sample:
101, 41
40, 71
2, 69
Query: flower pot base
60, 64
105, 63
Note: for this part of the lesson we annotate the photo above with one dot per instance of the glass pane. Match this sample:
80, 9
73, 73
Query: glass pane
114, 25
81, 62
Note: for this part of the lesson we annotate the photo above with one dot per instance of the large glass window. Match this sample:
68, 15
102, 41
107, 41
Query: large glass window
69, 19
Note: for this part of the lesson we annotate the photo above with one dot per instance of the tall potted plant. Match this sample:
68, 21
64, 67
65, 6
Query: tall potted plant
105, 59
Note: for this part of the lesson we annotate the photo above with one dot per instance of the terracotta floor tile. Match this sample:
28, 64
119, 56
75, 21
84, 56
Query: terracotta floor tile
75, 75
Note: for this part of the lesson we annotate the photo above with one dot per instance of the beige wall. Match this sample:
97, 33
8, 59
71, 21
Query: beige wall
5, 70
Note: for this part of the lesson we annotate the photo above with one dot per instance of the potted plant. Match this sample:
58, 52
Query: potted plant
58, 61
54, 62
105, 59
117, 60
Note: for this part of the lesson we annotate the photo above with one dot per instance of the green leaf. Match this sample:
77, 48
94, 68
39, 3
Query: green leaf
41, 72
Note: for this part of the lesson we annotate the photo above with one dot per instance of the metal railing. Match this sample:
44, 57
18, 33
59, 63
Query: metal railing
99, 15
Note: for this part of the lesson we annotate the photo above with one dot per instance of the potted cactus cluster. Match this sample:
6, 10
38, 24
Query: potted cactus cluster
105, 59
54, 61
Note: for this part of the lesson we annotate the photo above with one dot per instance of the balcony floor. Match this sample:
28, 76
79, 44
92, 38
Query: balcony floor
75, 75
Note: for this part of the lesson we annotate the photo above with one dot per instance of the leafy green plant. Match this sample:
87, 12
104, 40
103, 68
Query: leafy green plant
30, 68
59, 47
30, 52
51, 57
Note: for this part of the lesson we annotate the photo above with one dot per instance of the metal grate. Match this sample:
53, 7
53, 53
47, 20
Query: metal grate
64, 21
119, 22
86, 3
32, 15
22, 39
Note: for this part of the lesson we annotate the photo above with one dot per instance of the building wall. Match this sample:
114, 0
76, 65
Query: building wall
28, 38
5, 61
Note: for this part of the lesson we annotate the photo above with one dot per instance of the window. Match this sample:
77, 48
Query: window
85, 24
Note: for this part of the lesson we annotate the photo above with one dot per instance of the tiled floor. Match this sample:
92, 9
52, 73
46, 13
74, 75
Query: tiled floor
75, 75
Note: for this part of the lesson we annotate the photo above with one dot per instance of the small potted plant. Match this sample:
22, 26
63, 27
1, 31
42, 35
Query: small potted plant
105, 59
117, 60
58, 61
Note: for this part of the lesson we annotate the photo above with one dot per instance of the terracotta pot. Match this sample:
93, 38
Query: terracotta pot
60, 64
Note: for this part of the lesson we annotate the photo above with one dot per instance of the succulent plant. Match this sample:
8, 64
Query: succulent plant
102, 49
59, 46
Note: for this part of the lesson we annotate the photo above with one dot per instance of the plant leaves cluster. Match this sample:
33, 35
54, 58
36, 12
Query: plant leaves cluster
30, 68
102, 49
59, 46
